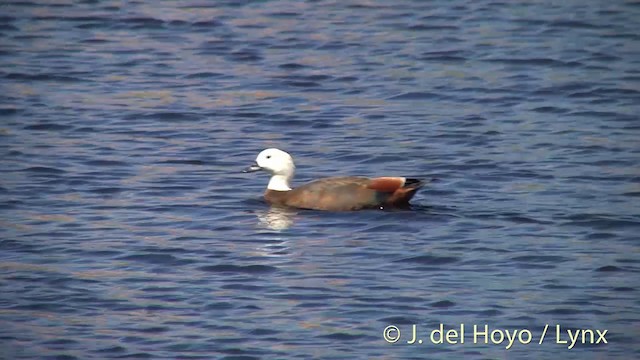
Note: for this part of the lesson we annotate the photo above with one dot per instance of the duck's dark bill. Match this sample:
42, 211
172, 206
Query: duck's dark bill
252, 168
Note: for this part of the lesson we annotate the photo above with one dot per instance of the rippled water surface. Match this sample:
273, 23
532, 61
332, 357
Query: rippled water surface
128, 231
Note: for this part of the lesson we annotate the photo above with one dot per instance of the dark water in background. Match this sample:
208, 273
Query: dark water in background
128, 231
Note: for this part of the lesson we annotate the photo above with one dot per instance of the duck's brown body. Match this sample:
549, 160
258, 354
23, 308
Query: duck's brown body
347, 193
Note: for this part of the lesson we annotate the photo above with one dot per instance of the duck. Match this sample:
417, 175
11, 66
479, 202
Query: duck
343, 193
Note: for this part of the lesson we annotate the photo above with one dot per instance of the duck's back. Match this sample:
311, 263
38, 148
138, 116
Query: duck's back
346, 193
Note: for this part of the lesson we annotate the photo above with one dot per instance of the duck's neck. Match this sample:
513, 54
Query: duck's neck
279, 183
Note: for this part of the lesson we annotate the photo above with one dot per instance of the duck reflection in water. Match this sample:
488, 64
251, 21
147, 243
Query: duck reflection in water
276, 217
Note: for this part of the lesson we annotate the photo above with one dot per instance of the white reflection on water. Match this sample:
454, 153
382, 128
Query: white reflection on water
276, 218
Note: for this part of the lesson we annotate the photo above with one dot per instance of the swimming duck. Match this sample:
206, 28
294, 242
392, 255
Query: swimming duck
332, 193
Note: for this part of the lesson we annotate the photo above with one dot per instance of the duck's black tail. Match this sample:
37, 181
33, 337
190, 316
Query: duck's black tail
412, 183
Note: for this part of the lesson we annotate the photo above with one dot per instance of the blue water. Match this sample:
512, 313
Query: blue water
128, 231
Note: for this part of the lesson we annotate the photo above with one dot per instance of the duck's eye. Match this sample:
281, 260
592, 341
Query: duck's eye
268, 156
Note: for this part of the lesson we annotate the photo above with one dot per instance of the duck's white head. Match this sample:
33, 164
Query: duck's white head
279, 164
